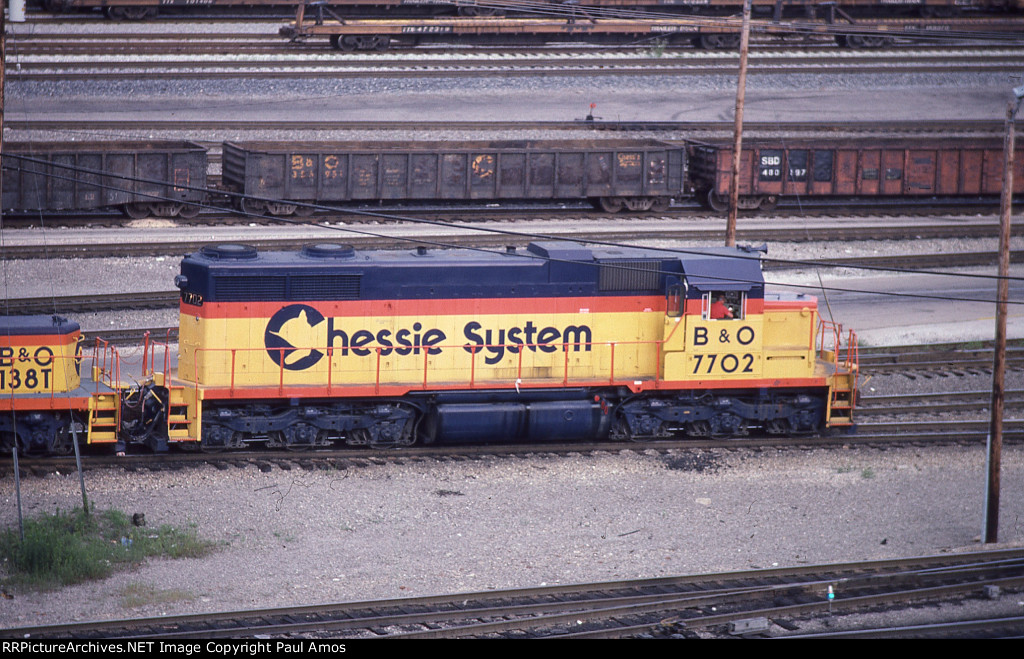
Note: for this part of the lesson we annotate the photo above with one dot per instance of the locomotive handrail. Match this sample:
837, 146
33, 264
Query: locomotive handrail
149, 354
848, 358
474, 350
106, 366
828, 329
829, 348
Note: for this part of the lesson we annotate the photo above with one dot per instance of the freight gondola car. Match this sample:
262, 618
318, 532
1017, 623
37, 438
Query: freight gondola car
865, 168
169, 179
612, 174
163, 178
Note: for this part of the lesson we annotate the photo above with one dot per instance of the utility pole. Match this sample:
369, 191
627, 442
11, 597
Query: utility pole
17, 9
995, 433
741, 90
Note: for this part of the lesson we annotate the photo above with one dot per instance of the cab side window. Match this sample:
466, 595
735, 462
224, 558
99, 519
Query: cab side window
675, 300
723, 305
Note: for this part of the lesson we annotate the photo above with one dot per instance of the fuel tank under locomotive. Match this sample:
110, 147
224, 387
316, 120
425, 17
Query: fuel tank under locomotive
505, 417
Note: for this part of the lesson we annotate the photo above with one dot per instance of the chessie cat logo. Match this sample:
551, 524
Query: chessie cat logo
292, 336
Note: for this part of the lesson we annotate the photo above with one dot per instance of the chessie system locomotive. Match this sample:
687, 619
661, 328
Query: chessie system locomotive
559, 341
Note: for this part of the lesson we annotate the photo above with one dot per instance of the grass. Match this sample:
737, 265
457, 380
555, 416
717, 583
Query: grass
72, 547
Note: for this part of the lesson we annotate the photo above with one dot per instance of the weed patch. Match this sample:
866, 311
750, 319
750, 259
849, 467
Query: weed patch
72, 547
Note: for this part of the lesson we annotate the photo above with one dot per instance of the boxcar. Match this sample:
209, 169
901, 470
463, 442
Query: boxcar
163, 178
870, 167
612, 174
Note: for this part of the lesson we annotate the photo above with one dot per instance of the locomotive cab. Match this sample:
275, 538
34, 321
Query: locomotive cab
714, 320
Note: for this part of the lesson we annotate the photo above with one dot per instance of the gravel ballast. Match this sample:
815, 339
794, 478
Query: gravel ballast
419, 527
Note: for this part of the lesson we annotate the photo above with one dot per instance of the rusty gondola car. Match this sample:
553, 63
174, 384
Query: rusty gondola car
163, 178
613, 174
862, 168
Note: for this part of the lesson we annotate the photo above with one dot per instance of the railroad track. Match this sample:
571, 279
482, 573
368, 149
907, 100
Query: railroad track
262, 39
950, 419
306, 64
945, 358
681, 209
961, 402
743, 603
378, 230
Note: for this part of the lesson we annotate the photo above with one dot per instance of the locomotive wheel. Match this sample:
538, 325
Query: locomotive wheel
137, 211
61, 442
769, 203
297, 437
217, 438
611, 204
304, 211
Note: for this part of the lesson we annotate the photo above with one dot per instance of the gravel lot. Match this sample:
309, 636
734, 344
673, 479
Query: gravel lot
426, 527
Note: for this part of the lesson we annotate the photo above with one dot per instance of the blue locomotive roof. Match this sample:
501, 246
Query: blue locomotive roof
36, 325
238, 273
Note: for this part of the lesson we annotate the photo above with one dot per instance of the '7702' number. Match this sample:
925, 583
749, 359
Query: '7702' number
728, 363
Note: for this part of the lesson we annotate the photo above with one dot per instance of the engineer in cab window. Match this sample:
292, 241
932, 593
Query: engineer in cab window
719, 309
